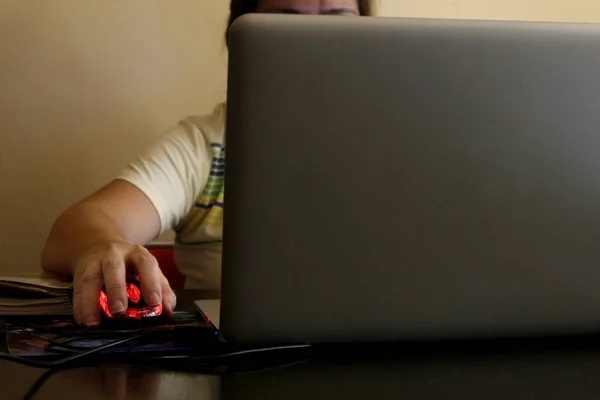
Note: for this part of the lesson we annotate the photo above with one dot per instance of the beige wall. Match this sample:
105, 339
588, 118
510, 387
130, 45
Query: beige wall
524, 10
84, 85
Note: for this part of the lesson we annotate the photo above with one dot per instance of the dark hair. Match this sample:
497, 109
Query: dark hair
241, 7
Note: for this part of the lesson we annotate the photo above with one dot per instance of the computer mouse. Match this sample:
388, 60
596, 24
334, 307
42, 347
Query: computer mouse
136, 307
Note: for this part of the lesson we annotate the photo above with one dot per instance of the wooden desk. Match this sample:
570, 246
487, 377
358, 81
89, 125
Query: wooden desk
560, 369
552, 374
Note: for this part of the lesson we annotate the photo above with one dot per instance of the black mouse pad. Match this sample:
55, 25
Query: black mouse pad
58, 337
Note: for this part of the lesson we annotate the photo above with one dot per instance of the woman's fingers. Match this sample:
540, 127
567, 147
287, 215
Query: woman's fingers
108, 266
146, 267
169, 298
86, 290
114, 273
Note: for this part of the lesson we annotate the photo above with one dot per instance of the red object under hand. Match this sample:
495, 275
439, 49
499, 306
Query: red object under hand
137, 308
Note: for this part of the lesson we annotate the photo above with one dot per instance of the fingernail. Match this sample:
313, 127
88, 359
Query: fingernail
154, 299
91, 321
117, 307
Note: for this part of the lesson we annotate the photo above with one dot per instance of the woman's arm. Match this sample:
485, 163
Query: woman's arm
98, 240
118, 212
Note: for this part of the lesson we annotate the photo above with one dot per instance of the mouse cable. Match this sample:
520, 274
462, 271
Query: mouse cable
39, 382
30, 362
189, 362
247, 352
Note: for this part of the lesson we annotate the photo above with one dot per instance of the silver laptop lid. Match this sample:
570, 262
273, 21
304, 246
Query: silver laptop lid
405, 179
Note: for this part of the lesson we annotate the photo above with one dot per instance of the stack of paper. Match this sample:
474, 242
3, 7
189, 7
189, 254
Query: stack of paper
34, 294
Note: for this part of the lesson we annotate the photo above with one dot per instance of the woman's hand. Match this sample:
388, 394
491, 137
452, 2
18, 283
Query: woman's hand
108, 264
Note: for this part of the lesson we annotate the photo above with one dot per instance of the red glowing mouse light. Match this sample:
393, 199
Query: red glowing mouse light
136, 307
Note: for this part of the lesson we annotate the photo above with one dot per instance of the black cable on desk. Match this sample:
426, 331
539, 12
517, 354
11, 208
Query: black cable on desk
195, 362
39, 382
52, 366
260, 350
135, 339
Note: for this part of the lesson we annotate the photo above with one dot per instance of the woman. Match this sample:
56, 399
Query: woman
177, 183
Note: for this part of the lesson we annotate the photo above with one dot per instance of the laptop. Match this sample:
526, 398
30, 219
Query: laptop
410, 179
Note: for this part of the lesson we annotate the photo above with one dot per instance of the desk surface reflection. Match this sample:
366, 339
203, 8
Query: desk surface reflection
569, 371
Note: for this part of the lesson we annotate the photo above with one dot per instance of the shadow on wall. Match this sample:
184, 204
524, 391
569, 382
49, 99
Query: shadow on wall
85, 87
